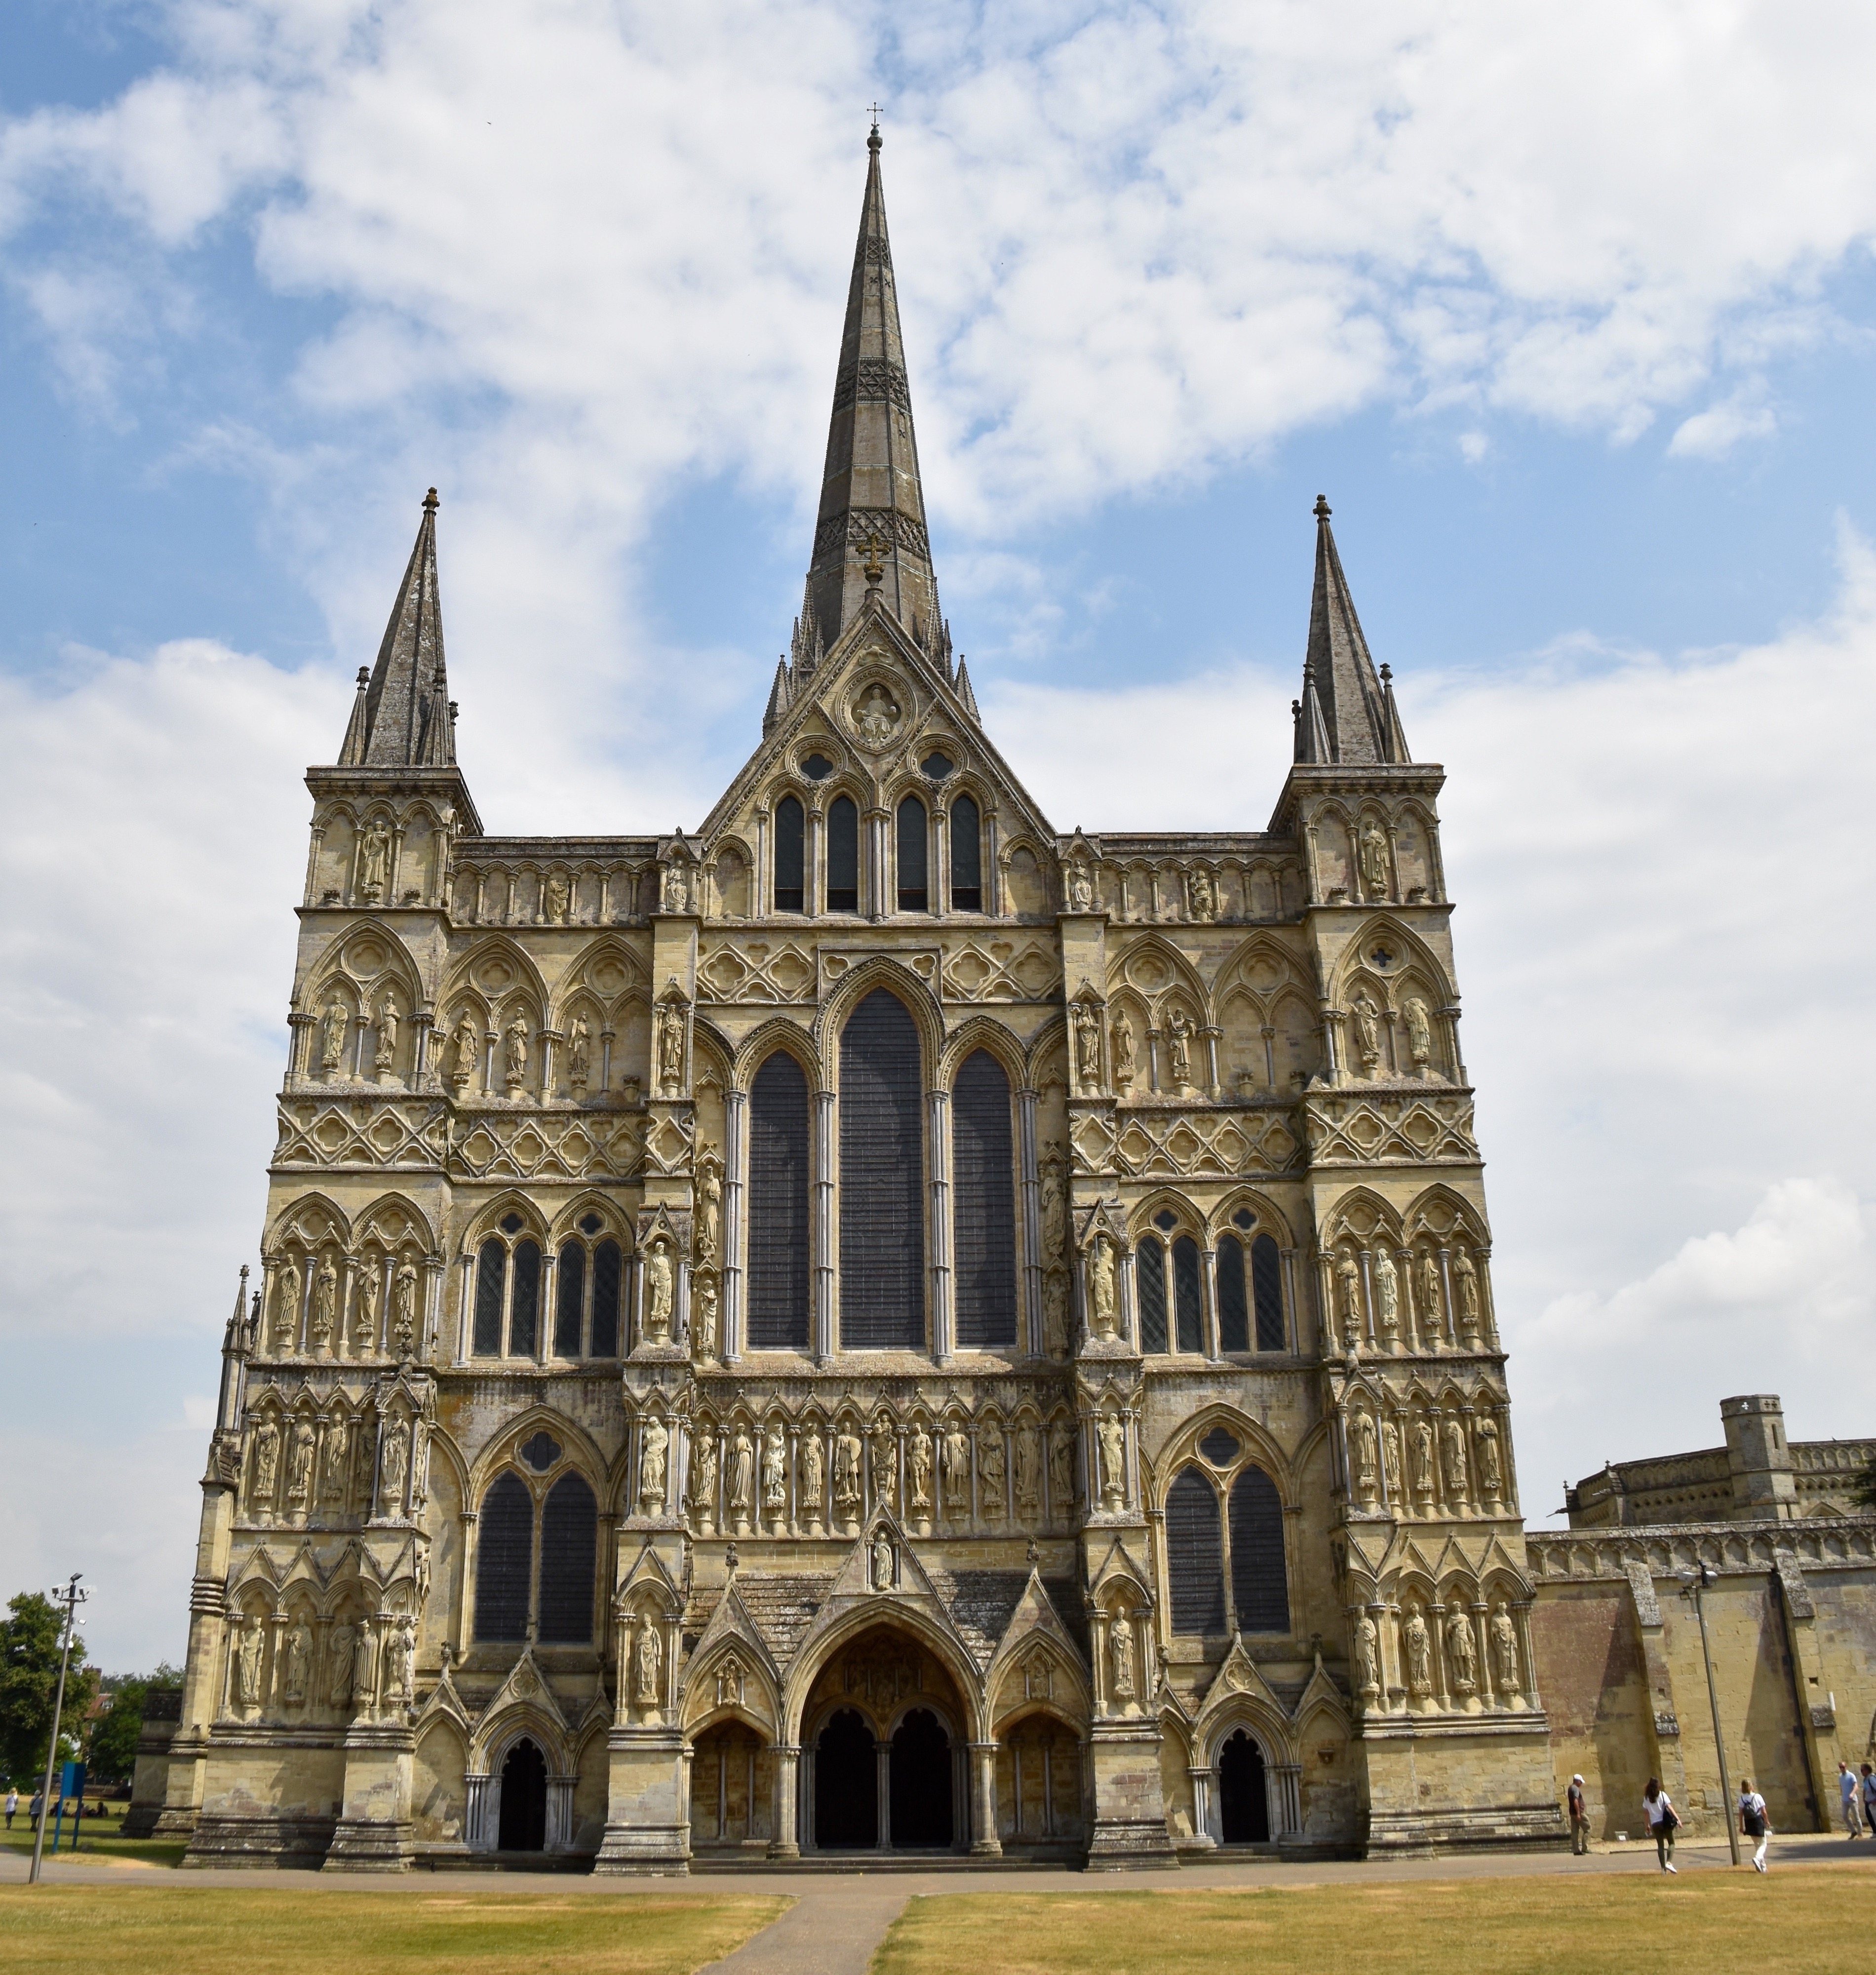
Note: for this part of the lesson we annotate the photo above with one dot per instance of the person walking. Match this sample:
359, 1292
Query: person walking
1664, 1822
1850, 1788
1579, 1818
1753, 1823
1869, 1799
33, 1808
12, 1804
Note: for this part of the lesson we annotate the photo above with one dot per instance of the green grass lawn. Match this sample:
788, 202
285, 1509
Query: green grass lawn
1802, 1919
99, 1837
181, 1929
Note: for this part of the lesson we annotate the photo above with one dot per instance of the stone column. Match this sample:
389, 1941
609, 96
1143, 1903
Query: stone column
1034, 1341
478, 1827
938, 1155
735, 1135
1208, 1293
823, 1338
1202, 1833
882, 1760
986, 1844
312, 861
784, 1842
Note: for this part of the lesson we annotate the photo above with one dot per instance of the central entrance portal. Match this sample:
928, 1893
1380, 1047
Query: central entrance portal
1244, 1807
921, 1777
846, 1785
523, 1799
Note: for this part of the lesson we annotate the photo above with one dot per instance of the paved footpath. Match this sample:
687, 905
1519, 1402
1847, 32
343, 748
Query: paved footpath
839, 1918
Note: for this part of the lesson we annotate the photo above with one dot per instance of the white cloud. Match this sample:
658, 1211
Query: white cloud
1713, 433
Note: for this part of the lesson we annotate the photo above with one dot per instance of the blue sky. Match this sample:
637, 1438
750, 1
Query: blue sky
1579, 350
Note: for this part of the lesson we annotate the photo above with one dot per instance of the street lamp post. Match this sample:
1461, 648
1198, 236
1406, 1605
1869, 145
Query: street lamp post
1695, 1584
72, 1598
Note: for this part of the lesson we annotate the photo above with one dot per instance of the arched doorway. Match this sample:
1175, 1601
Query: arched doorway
921, 1783
523, 1799
1244, 1807
846, 1784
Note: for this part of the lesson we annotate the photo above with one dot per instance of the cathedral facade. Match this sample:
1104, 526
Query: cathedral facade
871, 1325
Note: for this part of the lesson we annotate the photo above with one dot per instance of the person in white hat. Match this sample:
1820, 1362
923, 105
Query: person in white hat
1579, 1818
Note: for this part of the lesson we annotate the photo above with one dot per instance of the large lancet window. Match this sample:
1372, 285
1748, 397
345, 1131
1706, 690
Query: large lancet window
504, 1560
1233, 1305
843, 855
570, 1524
913, 825
587, 1294
492, 1292
1260, 1583
881, 1179
967, 857
790, 856
508, 1294
777, 1276
1187, 1296
983, 1196
1149, 1276
1267, 1284
1195, 1554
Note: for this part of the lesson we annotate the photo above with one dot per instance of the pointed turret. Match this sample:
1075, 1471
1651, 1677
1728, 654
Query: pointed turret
873, 506
778, 697
403, 718
964, 692
1346, 713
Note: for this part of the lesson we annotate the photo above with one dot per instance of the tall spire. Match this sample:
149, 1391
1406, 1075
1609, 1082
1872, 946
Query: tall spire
1346, 715
404, 718
872, 507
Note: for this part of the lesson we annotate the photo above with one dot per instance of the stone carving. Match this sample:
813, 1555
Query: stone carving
364, 1666
742, 1477
1466, 1292
286, 1308
404, 1308
374, 861
1367, 1656
1028, 1473
578, 1052
384, 1053
660, 1292
774, 1474
648, 1661
332, 1028
339, 1666
847, 1475
883, 1456
514, 1053
1062, 1473
674, 886
1366, 1475
1087, 1022
1180, 1031
1429, 1298
1080, 887
1349, 1301
1490, 1470
300, 1464
1201, 896
1462, 1658
882, 1560
703, 1477
1424, 1480
419, 1466
1417, 1642
1504, 1638
703, 1316
1390, 1459
876, 717
670, 1046
1055, 1312
266, 1464
1111, 1438
709, 1206
466, 1044
404, 1660
1120, 1644
954, 1472
919, 1455
730, 1679
653, 1461
992, 1472
1387, 1296
299, 1664
1054, 1207
560, 895
1419, 1033
813, 1475
247, 1664
1452, 1438
1367, 1031
1102, 1293
395, 1465
325, 1306
332, 1466
1126, 1062
365, 1313
1374, 859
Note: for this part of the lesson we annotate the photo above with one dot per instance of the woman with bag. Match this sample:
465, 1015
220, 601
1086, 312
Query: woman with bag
1753, 1822
1658, 1808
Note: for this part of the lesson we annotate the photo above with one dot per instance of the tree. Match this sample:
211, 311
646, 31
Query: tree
1863, 1489
111, 1754
29, 1643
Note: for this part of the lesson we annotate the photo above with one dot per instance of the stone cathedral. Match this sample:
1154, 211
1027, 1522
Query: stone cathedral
868, 1325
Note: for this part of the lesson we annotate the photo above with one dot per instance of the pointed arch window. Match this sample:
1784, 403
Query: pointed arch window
843, 855
967, 856
778, 1206
1233, 1303
790, 856
1195, 1554
525, 1301
1259, 1581
1149, 1276
1188, 1297
504, 1560
491, 1293
914, 829
586, 1315
609, 1271
1266, 1286
570, 1525
508, 1293
881, 1178
983, 1196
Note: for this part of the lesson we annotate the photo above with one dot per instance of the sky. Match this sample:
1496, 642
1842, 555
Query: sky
1569, 312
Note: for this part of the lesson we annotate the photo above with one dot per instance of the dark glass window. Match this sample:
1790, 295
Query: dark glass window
1187, 1294
778, 1206
913, 894
540, 1451
1195, 1554
790, 856
1266, 1286
843, 855
1259, 1583
984, 1176
590, 1223
1149, 1278
524, 1314
569, 1533
938, 765
816, 767
1219, 1447
881, 1178
504, 1560
511, 1223
1234, 1307
569, 1300
1243, 1217
967, 857
491, 1272
608, 1270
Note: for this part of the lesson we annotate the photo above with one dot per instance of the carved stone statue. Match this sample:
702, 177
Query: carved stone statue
299, 1663
847, 1475
1391, 1458
1102, 1293
1462, 1658
514, 1052
814, 1474
404, 1308
742, 1476
1120, 1650
374, 861
876, 717
992, 1472
1423, 1478
1201, 895
954, 1472
774, 1473
325, 1306
1367, 1030
1054, 1207
1387, 1295
332, 1028
247, 1664
467, 1043
394, 1466
709, 1206
579, 1052
1374, 859
1429, 1301
1417, 1640
1349, 1301
660, 1292
653, 1454
670, 1046
1504, 1636
882, 1560
286, 1309
419, 1468
1087, 1044
406, 1656
1111, 1437
919, 1462
1490, 1470
384, 1053
364, 1667
1419, 1033
560, 896
333, 1456
703, 1477
1055, 1312
1367, 1656
300, 1464
1028, 1473
364, 1312
266, 1464
674, 880
1080, 887
648, 1662
1126, 1062
1062, 1473
1452, 1438
883, 1459
1361, 1430
703, 1316
1466, 1291
339, 1666
1180, 1031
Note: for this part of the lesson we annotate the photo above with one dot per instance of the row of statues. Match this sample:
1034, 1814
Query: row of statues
367, 1666
1081, 886
321, 1309
1461, 1657
310, 1468
1415, 1016
1389, 1302
1428, 1463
